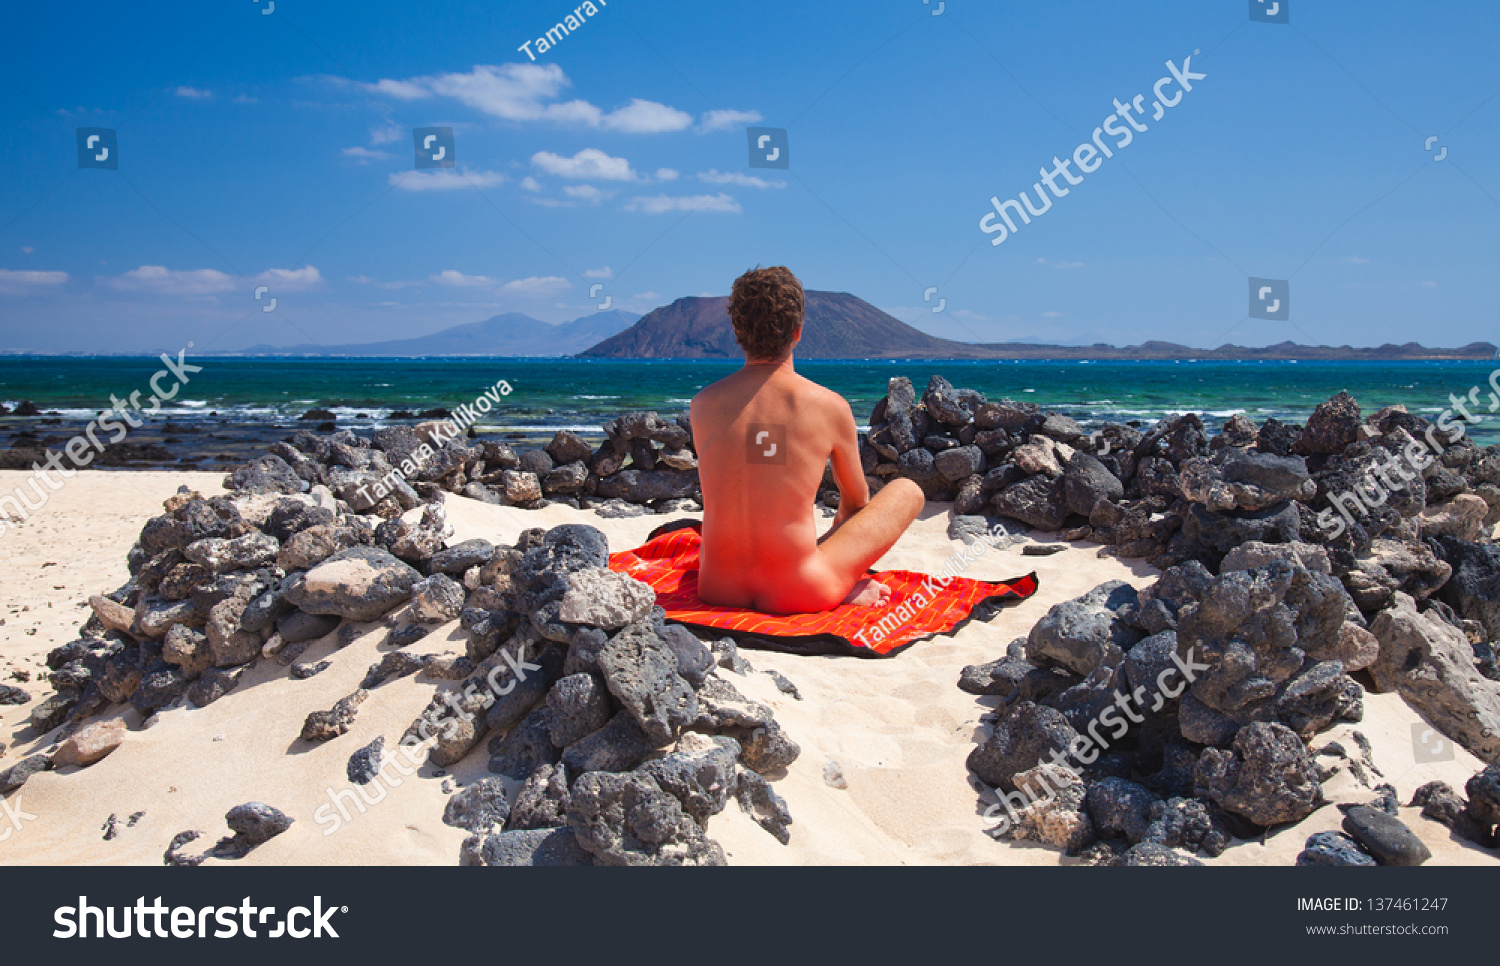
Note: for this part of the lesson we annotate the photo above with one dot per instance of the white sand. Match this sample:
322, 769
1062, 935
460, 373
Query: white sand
900, 729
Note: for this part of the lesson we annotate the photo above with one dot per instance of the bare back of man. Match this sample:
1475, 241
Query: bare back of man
763, 436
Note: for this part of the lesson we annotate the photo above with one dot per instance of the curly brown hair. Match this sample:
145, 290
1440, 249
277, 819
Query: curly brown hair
766, 308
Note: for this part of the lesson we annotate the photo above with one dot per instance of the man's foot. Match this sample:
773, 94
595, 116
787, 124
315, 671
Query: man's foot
869, 593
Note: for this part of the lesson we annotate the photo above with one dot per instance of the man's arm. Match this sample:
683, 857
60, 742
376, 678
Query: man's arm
848, 472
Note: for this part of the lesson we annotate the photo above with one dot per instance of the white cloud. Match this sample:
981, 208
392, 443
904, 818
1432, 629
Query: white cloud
714, 176
386, 134
1355, 260
531, 92
646, 117
605, 272
537, 285
451, 278
27, 249
366, 154
401, 90
194, 93
1051, 315
159, 280
660, 204
246, 99
290, 279
460, 280
1429, 284
666, 174
22, 282
377, 283
590, 164
584, 192
724, 120
445, 179
1043, 261
531, 184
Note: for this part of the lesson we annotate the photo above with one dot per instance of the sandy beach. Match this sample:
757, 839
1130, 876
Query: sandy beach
899, 729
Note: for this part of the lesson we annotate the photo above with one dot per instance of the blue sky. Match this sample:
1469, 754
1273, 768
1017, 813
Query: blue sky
276, 150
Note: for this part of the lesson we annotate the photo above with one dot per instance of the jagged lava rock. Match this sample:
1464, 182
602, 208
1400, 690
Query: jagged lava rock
481, 807
641, 671
1028, 735
1267, 777
1333, 848
358, 584
1076, 634
629, 820
1431, 664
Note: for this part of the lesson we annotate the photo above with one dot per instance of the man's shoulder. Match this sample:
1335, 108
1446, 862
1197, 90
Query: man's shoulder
819, 394
711, 390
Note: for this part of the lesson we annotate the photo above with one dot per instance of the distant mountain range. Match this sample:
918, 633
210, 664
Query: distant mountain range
510, 334
838, 326
842, 326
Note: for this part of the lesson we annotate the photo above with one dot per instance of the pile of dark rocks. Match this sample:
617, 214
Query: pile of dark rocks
1173, 493
645, 464
624, 732
1283, 625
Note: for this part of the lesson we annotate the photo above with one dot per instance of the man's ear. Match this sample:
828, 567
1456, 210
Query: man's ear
798, 336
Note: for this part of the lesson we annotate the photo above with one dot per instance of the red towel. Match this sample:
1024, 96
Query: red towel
920, 606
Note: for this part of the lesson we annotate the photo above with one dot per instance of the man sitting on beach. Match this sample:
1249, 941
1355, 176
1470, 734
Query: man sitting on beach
763, 436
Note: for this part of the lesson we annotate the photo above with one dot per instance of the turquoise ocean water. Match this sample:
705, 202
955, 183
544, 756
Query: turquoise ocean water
580, 394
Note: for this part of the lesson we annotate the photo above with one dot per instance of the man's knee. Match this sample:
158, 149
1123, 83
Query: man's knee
909, 493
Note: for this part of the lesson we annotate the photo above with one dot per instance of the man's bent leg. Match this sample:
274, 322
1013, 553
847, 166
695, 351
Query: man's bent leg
865, 537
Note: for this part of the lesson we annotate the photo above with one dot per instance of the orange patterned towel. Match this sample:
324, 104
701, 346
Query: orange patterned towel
921, 605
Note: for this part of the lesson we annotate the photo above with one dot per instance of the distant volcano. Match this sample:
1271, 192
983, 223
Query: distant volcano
838, 326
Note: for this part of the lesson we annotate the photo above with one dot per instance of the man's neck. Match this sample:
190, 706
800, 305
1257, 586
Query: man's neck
770, 366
